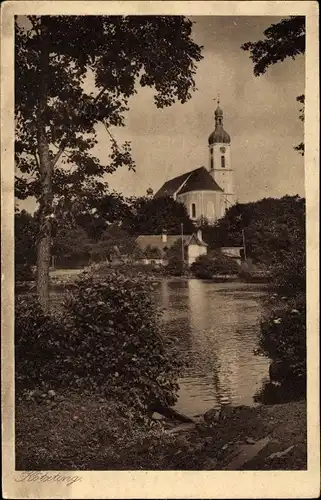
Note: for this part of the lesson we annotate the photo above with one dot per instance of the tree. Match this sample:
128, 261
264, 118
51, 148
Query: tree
282, 40
56, 117
176, 266
270, 226
99, 213
114, 240
71, 247
152, 216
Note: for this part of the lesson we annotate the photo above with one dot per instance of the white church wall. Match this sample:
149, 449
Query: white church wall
207, 204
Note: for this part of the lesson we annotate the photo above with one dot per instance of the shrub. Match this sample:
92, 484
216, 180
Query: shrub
40, 346
135, 269
283, 334
91, 434
175, 266
109, 341
23, 272
25, 245
121, 339
289, 271
207, 266
203, 267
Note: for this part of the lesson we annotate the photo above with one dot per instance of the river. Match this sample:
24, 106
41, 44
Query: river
216, 326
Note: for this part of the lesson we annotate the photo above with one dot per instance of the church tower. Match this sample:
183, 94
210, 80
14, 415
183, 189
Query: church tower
220, 167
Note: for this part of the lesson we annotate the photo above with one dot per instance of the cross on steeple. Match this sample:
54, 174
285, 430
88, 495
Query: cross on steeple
217, 99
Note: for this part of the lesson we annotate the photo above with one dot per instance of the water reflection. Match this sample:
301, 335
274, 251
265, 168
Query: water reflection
216, 326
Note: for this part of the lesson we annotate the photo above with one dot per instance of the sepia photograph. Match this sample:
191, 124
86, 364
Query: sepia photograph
159, 248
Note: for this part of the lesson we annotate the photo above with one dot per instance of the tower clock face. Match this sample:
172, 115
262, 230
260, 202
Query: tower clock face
222, 150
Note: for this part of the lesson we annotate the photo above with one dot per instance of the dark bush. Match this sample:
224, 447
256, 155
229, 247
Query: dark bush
283, 334
135, 269
176, 267
23, 272
108, 341
207, 266
42, 346
26, 230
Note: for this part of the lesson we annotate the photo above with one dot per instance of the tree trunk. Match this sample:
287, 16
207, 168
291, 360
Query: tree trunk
45, 208
46, 168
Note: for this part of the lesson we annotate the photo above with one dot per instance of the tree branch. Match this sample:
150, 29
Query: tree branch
110, 134
63, 144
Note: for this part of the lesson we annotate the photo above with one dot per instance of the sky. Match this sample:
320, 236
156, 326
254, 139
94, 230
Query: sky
261, 115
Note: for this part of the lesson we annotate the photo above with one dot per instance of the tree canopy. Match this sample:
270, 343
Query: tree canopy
271, 226
152, 216
282, 40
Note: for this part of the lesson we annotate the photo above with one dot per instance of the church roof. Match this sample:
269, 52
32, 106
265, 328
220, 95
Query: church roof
195, 180
219, 135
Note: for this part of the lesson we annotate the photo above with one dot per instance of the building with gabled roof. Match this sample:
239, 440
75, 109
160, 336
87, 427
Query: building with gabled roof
193, 245
207, 193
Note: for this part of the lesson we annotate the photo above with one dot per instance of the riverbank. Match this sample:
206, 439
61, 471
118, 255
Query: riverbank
63, 278
78, 433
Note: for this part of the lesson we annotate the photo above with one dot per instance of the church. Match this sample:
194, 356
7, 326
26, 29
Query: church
207, 193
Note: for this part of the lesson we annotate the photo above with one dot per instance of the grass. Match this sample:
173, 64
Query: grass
86, 433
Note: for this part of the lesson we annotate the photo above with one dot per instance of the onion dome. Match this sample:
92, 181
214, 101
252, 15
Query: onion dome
219, 135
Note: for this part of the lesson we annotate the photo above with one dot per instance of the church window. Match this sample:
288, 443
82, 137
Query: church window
193, 210
212, 160
223, 161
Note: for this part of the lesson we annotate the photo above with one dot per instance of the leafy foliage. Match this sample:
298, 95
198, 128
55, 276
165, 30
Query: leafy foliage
280, 243
25, 245
207, 266
271, 226
96, 213
300, 147
71, 248
283, 334
109, 341
175, 264
152, 216
282, 40
77, 433
115, 242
